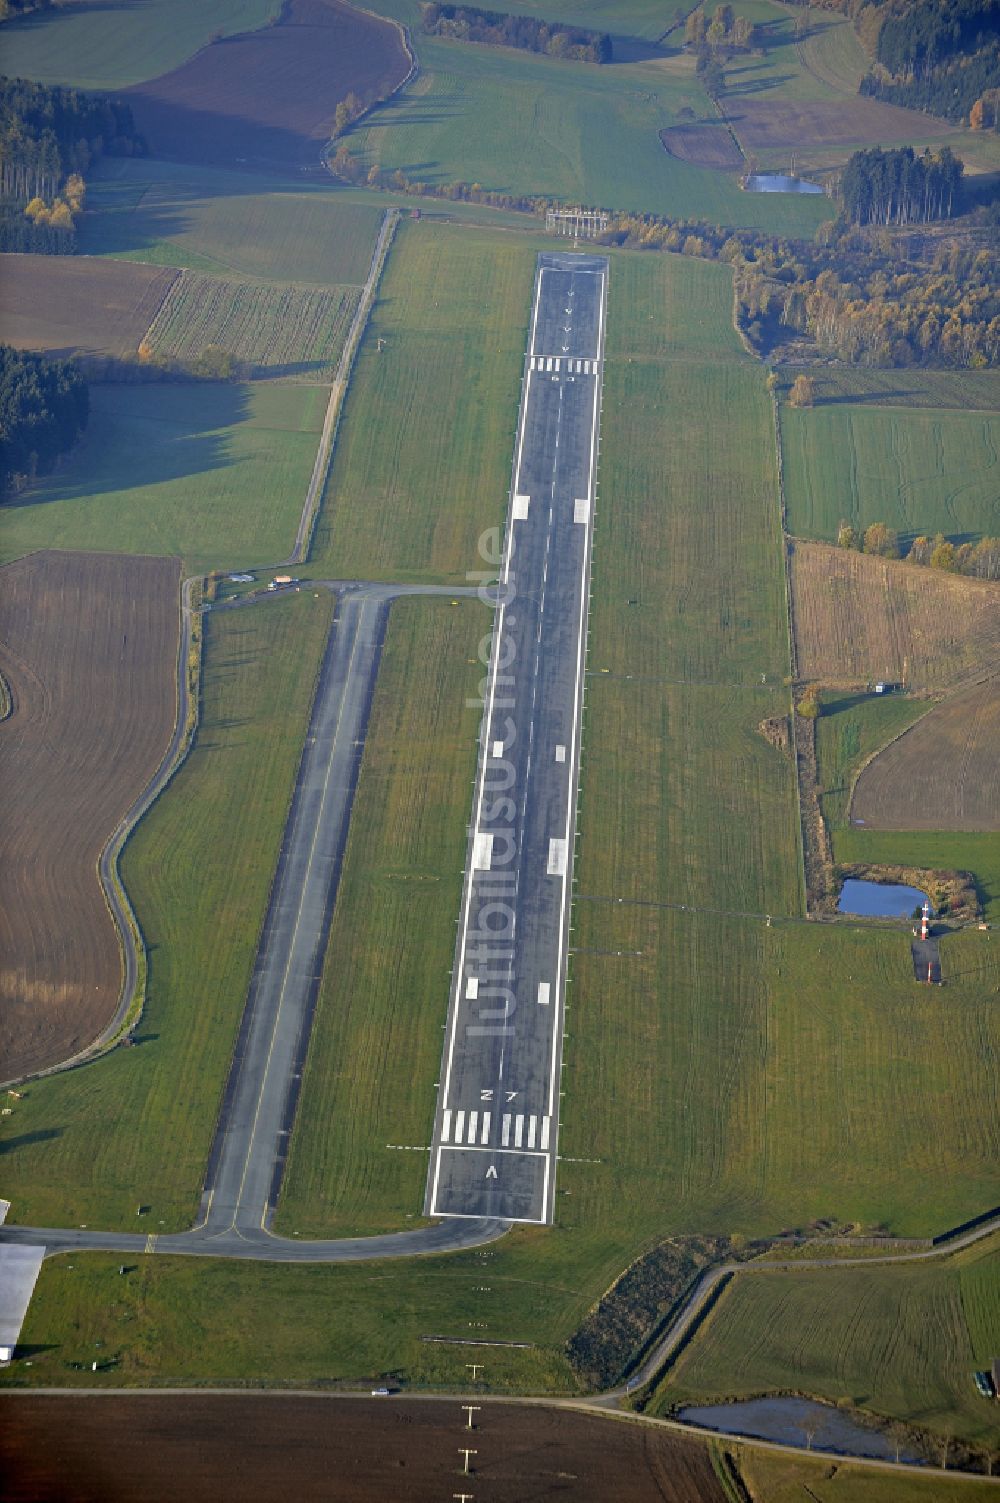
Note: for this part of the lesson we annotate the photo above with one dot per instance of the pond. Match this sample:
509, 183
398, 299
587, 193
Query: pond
777, 182
879, 899
792, 1421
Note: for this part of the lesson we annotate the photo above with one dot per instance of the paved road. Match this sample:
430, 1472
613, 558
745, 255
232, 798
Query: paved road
496, 1126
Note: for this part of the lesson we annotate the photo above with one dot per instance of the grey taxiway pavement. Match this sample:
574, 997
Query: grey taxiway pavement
496, 1126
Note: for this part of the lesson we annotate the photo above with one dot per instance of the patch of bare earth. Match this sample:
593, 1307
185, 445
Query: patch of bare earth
202, 1447
763, 124
88, 648
941, 774
76, 304
859, 618
267, 98
708, 145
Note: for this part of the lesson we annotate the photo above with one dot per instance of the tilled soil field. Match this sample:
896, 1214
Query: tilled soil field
942, 774
798, 125
70, 304
202, 1447
858, 618
88, 646
267, 98
702, 145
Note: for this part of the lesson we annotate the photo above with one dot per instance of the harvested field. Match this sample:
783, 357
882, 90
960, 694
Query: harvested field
267, 98
706, 145
279, 331
65, 304
763, 124
859, 618
88, 646
192, 1446
943, 774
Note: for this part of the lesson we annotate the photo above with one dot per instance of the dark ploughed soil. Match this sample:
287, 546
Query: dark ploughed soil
267, 98
88, 648
708, 145
201, 1448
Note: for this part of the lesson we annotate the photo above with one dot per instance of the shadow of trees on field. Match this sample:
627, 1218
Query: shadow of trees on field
29, 1139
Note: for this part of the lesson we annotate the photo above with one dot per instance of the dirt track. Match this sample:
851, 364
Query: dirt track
201, 1447
88, 645
267, 98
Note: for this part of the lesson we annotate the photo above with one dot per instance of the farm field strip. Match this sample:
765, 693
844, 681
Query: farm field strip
65, 304
92, 681
276, 330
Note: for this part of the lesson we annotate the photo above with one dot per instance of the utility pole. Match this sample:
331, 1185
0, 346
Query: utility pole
470, 1410
464, 1451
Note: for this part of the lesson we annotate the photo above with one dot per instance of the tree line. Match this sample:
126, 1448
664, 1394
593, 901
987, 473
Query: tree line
975, 560
898, 187
48, 138
495, 28
44, 406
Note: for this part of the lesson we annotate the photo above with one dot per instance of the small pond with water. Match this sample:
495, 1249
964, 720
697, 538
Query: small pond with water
791, 1421
777, 182
879, 899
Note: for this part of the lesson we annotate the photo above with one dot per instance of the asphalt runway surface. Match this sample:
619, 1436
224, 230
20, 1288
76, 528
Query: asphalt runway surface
496, 1127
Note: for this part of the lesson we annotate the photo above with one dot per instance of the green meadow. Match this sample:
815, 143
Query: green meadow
215, 473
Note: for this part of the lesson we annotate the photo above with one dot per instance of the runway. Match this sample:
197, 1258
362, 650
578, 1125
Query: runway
496, 1126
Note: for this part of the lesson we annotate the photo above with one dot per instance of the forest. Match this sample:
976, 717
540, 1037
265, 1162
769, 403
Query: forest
898, 187
495, 28
48, 138
44, 406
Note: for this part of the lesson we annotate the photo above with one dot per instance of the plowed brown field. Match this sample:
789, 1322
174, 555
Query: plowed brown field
104, 1449
88, 646
942, 774
798, 124
66, 304
859, 618
702, 145
267, 98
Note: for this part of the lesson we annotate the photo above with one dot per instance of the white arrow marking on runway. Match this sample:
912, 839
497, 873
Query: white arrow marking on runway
491, 1172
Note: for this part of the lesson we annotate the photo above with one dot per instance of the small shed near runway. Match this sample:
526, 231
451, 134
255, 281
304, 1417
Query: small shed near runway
19, 1266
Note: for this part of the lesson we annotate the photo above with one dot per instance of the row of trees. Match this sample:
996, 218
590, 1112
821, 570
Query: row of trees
44, 406
495, 28
898, 187
725, 31
977, 560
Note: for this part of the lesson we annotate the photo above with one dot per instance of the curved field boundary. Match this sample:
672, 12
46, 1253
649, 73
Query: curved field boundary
133, 989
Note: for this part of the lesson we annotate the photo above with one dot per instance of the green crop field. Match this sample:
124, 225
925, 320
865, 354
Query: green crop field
214, 473
136, 1126
917, 469
520, 123
279, 331
228, 224
902, 1342
422, 465
375, 1051
851, 729
109, 47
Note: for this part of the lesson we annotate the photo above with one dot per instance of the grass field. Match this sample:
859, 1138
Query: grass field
214, 473
859, 619
279, 331
852, 728
902, 1342
228, 224
136, 1126
918, 470
520, 123
423, 457
95, 47
789, 1479
387, 968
